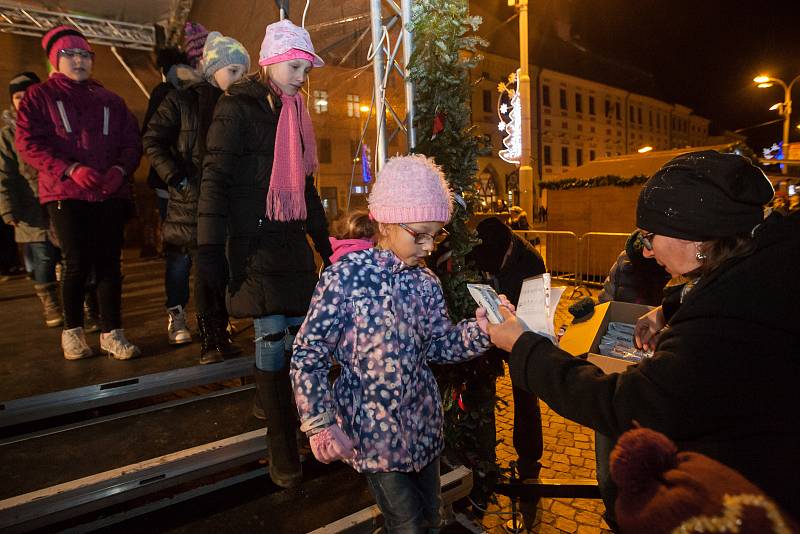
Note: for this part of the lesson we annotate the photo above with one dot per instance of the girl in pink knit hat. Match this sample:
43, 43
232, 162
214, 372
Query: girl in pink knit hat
381, 315
257, 204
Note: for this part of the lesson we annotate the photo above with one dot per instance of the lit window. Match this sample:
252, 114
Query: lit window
353, 106
320, 101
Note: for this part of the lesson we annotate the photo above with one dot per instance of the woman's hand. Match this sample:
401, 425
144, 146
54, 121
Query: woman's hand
648, 327
505, 334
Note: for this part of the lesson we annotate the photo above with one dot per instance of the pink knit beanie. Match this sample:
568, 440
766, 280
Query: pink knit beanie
411, 189
63, 38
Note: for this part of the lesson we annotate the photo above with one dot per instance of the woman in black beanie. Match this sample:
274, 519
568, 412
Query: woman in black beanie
723, 379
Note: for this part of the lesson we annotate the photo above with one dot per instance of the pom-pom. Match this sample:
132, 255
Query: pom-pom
640, 459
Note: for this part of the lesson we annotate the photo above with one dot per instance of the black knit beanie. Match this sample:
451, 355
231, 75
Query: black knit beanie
495, 238
22, 81
704, 195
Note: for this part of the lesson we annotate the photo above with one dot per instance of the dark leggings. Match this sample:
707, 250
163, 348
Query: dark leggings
91, 235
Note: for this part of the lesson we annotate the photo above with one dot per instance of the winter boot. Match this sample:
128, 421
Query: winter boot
177, 331
91, 310
117, 345
73, 343
48, 294
226, 345
209, 348
278, 402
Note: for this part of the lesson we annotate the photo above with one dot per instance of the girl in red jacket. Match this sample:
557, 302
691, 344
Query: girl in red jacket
85, 144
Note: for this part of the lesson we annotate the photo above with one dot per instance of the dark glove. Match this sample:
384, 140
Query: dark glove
212, 266
113, 180
86, 178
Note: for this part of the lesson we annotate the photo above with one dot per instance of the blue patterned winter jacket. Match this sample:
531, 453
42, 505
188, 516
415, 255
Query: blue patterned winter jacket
382, 321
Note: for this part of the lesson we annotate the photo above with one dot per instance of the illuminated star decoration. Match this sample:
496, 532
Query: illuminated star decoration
509, 108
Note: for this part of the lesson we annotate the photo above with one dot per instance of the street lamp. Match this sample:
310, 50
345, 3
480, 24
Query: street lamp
645, 149
784, 108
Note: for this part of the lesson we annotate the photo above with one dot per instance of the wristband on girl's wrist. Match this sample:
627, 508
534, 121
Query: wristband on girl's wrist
317, 423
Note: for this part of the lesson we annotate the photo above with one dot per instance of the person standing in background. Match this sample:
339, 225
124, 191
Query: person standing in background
84, 142
19, 206
175, 144
258, 202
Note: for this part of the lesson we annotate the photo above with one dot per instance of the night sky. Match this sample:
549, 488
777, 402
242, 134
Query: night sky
704, 54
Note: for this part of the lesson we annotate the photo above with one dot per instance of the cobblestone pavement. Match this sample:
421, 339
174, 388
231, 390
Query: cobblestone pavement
568, 453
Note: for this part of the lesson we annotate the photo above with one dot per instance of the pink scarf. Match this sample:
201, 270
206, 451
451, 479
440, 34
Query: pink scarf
291, 164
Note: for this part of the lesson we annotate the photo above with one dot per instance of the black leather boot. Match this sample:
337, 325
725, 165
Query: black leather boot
209, 351
281, 415
224, 342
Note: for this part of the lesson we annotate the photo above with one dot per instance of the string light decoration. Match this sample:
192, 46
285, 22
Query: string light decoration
509, 109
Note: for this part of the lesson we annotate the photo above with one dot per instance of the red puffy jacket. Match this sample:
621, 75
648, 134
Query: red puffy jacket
62, 122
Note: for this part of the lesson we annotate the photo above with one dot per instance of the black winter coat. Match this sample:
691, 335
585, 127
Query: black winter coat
175, 143
723, 380
157, 96
272, 269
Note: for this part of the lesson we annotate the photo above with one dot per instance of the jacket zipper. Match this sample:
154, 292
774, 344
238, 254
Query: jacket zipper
106, 116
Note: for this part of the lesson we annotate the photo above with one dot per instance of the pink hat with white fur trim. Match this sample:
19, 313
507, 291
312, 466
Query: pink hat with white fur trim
411, 189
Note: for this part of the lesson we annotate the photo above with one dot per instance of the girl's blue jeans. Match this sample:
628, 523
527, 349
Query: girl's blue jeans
274, 338
410, 502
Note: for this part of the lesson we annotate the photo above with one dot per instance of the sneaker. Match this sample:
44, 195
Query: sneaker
73, 343
177, 331
116, 345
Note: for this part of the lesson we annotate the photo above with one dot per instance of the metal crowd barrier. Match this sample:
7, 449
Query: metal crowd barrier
578, 261
597, 252
559, 249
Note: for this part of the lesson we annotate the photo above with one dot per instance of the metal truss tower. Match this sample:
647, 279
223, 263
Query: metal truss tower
385, 64
23, 20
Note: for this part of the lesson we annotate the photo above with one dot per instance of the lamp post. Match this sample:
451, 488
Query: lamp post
527, 186
784, 109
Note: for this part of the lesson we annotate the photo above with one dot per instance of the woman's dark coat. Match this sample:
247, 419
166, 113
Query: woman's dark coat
272, 268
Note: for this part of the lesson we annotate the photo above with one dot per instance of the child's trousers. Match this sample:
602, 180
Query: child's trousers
410, 502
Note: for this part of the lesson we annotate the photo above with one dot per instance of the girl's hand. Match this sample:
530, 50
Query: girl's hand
331, 444
482, 318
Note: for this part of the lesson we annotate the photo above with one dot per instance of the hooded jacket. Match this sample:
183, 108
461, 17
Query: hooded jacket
383, 322
178, 77
19, 189
272, 267
62, 122
175, 143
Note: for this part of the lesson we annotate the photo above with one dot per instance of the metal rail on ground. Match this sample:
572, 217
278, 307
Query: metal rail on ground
57, 403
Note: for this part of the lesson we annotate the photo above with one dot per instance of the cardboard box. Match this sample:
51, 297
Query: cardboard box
583, 339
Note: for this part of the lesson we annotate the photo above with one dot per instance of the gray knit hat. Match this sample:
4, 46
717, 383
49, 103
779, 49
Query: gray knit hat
220, 51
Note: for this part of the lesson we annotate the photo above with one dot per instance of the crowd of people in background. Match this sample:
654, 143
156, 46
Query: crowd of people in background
232, 162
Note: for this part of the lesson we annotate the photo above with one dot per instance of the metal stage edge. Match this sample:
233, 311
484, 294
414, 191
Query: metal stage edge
37, 407
57, 503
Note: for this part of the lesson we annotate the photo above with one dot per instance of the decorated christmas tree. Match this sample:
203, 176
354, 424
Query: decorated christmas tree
445, 50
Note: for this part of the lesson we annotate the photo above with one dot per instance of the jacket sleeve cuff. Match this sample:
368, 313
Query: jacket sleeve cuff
212, 230
521, 356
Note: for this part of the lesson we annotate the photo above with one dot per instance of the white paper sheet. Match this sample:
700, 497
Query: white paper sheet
537, 305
